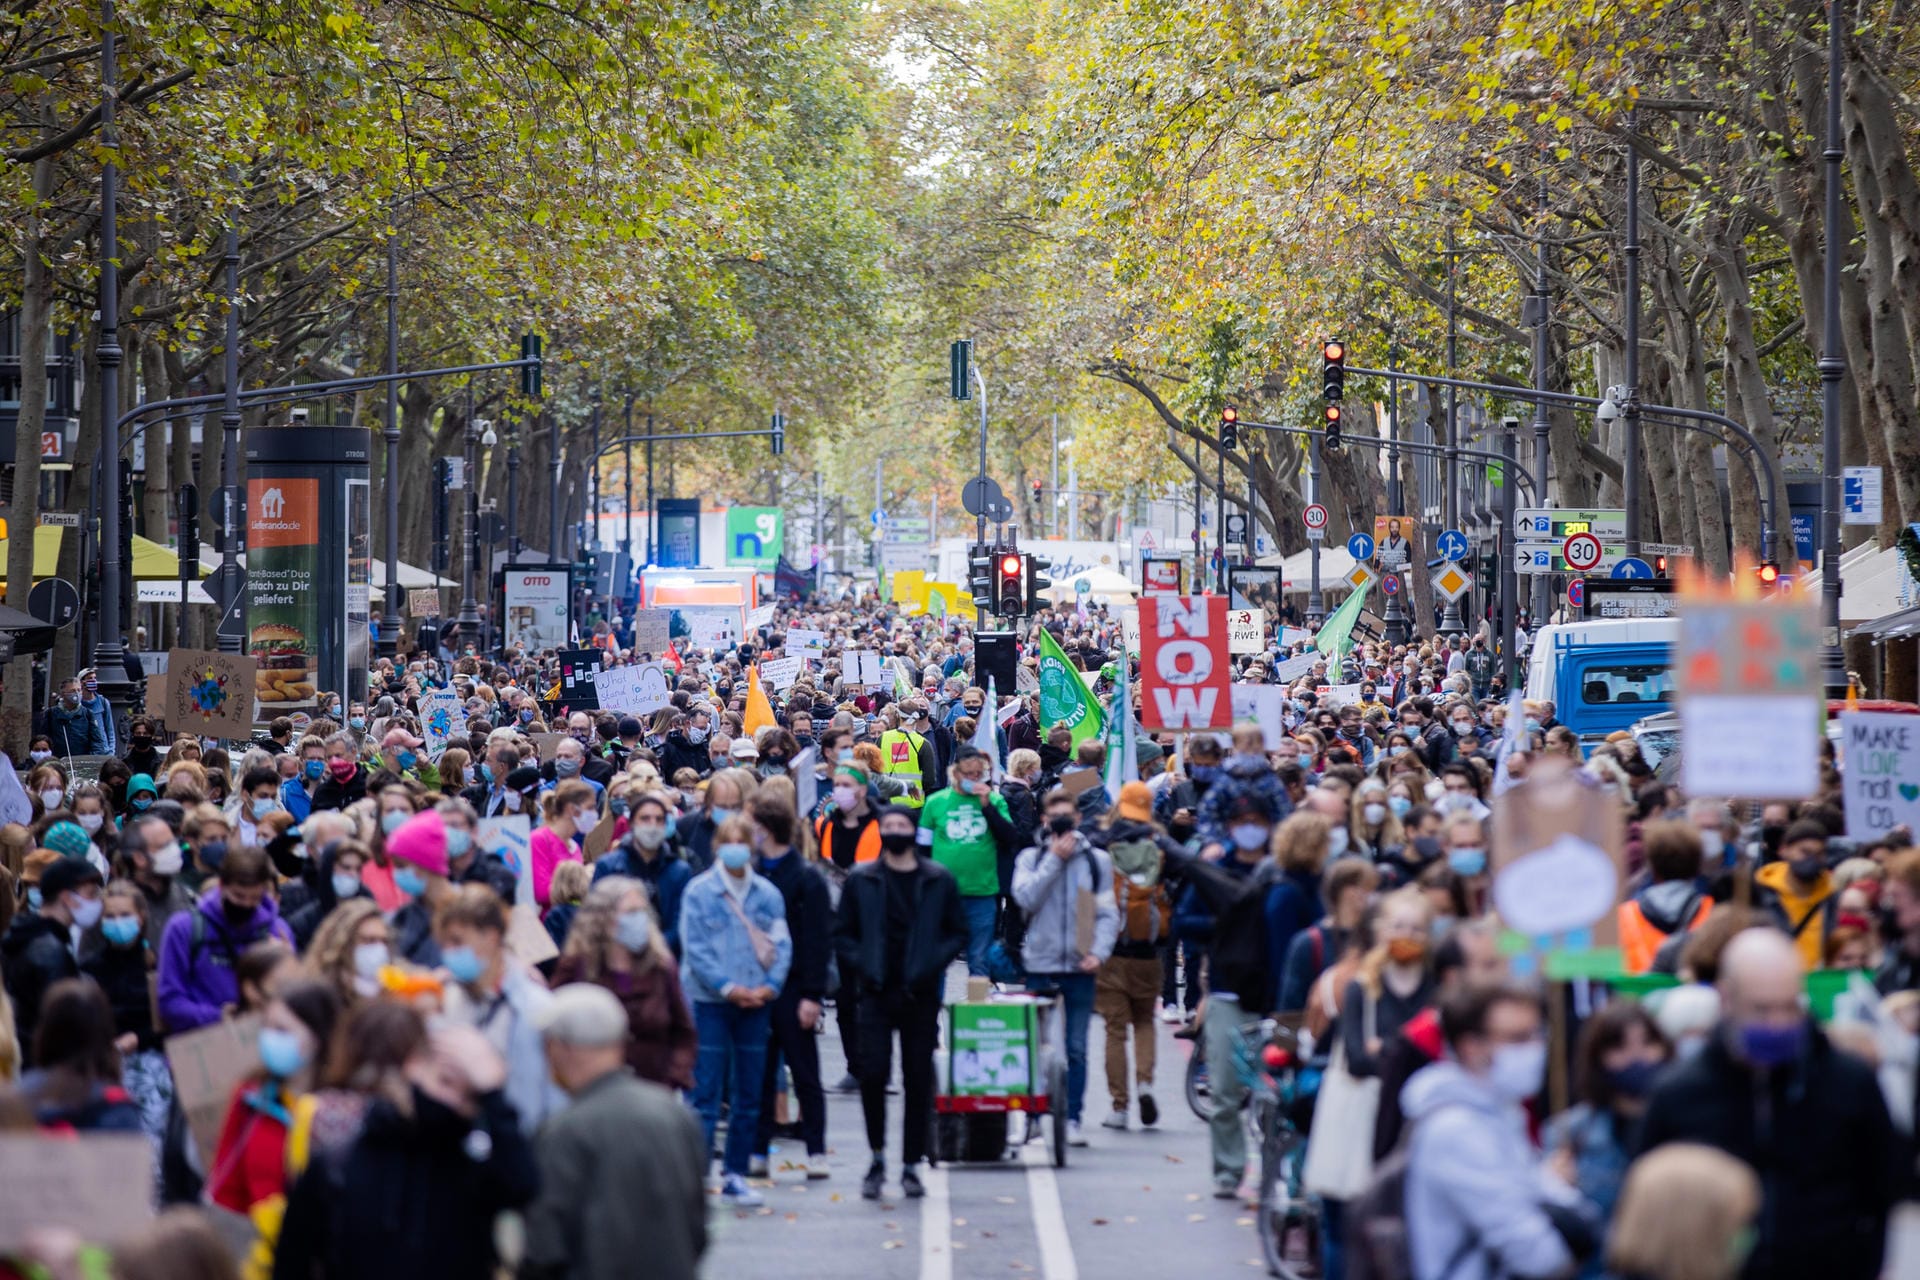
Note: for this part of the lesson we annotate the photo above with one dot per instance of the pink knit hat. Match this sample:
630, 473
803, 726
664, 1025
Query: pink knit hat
421, 840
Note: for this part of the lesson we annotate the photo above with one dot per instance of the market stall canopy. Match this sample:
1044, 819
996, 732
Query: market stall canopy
150, 560
1103, 585
28, 633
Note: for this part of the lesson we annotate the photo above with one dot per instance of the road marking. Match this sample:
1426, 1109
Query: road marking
936, 1226
1049, 1219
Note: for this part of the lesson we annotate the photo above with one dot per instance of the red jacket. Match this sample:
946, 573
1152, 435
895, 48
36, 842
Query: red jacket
249, 1162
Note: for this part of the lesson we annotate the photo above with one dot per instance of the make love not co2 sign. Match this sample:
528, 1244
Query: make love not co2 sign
1184, 665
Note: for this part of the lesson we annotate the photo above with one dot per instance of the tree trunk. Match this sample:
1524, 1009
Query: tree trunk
1746, 383
36, 309
1890, 353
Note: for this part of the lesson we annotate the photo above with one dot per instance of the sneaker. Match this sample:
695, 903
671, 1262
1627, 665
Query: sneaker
1017, 1128
1075, 1138
847, 1084
870, 1185
817, 1167
910, 1183
1116, 1119
737, 1193
757, 1167
1226, 1187
1149, 1109
1172, 1013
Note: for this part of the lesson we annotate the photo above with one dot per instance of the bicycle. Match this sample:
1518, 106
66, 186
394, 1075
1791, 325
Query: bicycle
1280, 1089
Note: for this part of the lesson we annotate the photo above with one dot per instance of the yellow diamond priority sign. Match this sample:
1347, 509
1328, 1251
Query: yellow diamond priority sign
1360, 575
1452, 581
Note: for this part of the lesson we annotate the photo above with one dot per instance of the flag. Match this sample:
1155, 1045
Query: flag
984, 740
1064, 695
1511, 739
672, 655
1335, 636
759, 711
1122, 765
902, 687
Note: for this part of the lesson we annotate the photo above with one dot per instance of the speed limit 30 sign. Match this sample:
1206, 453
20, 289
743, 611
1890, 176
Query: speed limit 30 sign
1582, 551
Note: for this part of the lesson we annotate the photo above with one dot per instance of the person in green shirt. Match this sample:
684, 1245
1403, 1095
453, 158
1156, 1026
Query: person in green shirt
965, 826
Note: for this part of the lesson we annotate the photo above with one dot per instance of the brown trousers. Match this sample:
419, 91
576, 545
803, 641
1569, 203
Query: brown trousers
1123, 995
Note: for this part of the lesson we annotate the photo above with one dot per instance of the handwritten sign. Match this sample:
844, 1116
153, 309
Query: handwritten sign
212, 694
864, 668
761, 617
804, 643
1881, 781
423, 602
652, 630
511, 839
632, 690
780, 673
207, 1063
1246, 630
441, 720
1184, 663
1265, 704
1747, 676
97, 1185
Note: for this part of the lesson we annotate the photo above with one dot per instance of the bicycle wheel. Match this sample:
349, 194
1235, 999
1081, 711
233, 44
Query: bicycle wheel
1057, 1111
1199, 1095
1289, 1225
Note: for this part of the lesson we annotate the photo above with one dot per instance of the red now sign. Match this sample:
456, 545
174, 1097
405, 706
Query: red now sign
1185, 673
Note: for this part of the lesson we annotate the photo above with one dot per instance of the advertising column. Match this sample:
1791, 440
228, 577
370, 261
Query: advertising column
307, 507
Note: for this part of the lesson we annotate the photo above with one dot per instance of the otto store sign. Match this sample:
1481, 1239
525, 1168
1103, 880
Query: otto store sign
1184, 666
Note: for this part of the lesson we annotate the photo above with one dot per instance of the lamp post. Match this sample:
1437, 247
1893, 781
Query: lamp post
230, 640
1394, 617
1542, 317
513, 491
1630, 460
390, 432
109, 654
555, 553
1450, 623
1833, 367
478, 433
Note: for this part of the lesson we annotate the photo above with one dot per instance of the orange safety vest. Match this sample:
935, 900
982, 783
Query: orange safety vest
1640, 940
868, 848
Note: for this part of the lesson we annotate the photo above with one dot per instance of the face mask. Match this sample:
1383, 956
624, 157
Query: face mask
1769, 1046
510, 801
39, 757
51, 798
897, 841
393, 819
168, 861
564, 768
1337, 842
617, 806
585, 819
1407, 950
845, 797
968, 786
358, 722
345, 884
405, 759
313, 769
720, 815
526, 716
1712, 844
463, 963
121, 930
1400, 805
1467, 862
142, 741
1807, 870
633, 930
370, 957
1518, 1069
34, 899
281, 1053
1397, 749
73, 699
409, 881
1635, 1080
1249, 836
261, 808
650, 835
459, 841
90, 822
1207, 773
696, 734
342, 768
735, 856
86, 911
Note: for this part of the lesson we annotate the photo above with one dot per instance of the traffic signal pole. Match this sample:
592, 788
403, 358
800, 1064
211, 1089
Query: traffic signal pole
980, 611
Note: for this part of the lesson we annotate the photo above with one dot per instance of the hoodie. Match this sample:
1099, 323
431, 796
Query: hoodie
1655, 914
197, 957
1474, 1186
34, 955
1240, 776
1806, 917
1049, 890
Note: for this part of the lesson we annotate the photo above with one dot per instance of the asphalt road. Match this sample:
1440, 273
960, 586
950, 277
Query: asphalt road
1137, 1202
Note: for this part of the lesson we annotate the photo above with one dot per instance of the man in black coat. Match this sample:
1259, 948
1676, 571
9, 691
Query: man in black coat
686, 746
795, 1013
37, 951
900, 925
1770, 1089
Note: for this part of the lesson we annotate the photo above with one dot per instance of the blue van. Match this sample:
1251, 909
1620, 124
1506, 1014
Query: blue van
1604, 675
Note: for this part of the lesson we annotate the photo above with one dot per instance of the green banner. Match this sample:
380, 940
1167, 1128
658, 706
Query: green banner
755, 536
1335, 636
1064, 695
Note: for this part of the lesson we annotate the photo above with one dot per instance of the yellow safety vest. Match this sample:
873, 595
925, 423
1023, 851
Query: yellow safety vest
900, 756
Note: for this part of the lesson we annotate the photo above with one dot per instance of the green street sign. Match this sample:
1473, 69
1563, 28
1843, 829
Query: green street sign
755, 536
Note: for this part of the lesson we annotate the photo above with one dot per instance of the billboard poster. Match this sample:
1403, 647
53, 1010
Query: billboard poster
283, 600
679, 533
1162, 574
534, 602
359, 586
755, 536
1393, 538
1253, 586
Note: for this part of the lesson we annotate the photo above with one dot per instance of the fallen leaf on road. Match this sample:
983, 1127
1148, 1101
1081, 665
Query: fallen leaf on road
793, 1217
1175, 1160
1196, 1217
1099, 1222
891, 1244
835, 1197
1243, 1222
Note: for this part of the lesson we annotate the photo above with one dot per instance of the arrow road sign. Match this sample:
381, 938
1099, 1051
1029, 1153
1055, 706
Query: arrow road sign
1582, 551
228, 587
1632, 567
1360, 546
1452, 545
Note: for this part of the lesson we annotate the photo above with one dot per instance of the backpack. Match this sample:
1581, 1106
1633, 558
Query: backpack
1146, 910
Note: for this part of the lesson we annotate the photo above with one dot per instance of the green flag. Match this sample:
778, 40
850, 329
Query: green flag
1064, 695
1335, 636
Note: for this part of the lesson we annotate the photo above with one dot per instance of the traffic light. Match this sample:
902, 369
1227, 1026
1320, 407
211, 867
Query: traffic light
1013, 584
1037, 492
1229, 428
1660, 566
1333, 369
980, 574
188, 512
530, 350
1769, 572
1038, 582
1333, 428
960, 362
779, 434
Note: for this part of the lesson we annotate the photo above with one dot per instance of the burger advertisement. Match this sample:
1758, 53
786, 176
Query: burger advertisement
283, 602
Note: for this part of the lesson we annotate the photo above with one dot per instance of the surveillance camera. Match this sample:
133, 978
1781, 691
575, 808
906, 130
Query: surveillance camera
1607, 411
1509, 424
297, 417
487, 437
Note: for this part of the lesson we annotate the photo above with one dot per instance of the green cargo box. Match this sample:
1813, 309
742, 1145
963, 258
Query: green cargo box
994, 1048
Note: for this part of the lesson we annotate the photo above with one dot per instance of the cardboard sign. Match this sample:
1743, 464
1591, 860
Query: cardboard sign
1246, 630
527, 939
600, 839
577, 669
652, 630
442, 718
212, 694
207, 1063
1339, 695
1265, 704
547, 744
1184, 664
1130, 631
1557, 861
423, 602
632, 690
864, 669
780, 673
805, 643
1880, 779
97, 1185
510, 838
1747, 678
1295, 667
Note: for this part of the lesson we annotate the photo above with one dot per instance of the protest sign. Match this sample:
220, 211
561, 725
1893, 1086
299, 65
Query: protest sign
577, 668
1130, 631
1557, 859
863, 668
780, 673
634, 690
206, 1063
1880, 778
97, 1185
1265, 704
441, 718
1246, 630
1339, 695
761, 617
1295, 667
527, 939
1184, 663
805, 643
1747, 675
510, 838
423, 602
212, 694
652, 630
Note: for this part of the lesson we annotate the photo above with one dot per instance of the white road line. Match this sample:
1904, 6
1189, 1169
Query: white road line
1049, 1219
936, 1226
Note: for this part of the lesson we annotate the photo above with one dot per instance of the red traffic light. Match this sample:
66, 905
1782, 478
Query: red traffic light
1333, 415
1770, 572
1229, 414
1334, 351
1010, 565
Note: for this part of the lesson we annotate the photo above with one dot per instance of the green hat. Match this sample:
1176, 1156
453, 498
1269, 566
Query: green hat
68, 839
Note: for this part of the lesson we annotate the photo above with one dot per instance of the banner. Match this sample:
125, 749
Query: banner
212, 694
1064, 696
633, 690
780, 673
535, 603
1252, 586
283, 592
1880, 777
441, 720
755, 536
1335, 636
1184, 667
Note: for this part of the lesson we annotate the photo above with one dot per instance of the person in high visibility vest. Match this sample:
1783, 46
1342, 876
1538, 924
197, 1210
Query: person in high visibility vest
908, 756
1676, 901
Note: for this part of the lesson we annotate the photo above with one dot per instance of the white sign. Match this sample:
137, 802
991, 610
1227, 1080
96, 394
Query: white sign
715, 627
1860, 495
1339, 695
805, 643
71, 519
780, 673
167, 591
1880, 778
441, 721
1246, 630
510, 838
1130, 630
1582, 551
1315, 516
864, 668
1266, 705
1763, 746
536, 608
634, 690
761, 617
652, 630
1295, 667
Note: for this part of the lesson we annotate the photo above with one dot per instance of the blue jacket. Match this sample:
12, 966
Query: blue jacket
76, 732
666, 878
1599, 1161
1192, 916
719, 951
1293, 904
295, 800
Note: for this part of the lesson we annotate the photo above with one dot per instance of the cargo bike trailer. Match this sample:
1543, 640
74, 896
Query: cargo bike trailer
1001, 1057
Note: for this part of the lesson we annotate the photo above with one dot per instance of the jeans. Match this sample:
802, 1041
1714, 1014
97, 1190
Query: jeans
918, 1021
980, 919
730, 1038
1124, 990
1227, 1127
802, 1054
1077, 990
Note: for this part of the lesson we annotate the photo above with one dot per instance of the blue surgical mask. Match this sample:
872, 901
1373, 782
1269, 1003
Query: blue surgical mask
720, 815
1248, 835
459, 840
393, 819
314, 769
463, 963
121, 930
409, 881
141, 803
281, 1052
734, 856
617, 806
633, 930
526, 715
1467, 862
1769, 1046
486, 773
358, 722
565, 768
261, 808
1400, 805
346, 884
1207, 773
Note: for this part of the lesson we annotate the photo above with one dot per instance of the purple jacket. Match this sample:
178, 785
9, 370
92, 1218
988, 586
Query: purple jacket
196, 972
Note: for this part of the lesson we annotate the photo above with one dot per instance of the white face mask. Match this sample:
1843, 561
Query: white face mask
1374, 812
51, 798
168, 861
368, 958
1518, 1069
845, 796
510, 801
90, 822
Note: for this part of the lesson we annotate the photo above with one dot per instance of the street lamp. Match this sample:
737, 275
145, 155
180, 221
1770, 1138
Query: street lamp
479, 432
513, 492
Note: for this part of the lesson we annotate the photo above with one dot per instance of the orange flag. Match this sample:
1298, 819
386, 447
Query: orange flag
759, 710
